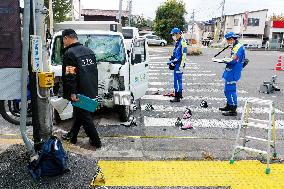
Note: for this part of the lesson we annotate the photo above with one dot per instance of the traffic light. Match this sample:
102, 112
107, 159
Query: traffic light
10, 34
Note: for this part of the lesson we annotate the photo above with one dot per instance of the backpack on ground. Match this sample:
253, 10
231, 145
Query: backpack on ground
52, 160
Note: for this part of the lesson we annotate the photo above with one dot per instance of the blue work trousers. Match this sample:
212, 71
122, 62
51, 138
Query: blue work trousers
177, 82
231, 93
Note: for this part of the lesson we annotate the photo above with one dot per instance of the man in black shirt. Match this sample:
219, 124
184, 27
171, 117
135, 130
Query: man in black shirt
80, 76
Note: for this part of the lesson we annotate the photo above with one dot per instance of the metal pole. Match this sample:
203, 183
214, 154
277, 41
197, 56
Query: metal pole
50, 9
44, 129
72, 10
130, 12
120, 11
24, 77
222, 18
192, 27
79, 10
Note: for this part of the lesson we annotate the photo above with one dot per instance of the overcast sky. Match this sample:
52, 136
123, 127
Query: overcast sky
205, 9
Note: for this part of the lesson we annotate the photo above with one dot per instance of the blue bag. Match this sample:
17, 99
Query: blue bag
52, 160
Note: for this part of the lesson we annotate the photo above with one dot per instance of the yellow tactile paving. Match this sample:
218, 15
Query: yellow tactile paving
240, 175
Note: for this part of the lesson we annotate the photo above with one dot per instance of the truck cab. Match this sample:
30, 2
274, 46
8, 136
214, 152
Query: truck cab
122, 74
129, 34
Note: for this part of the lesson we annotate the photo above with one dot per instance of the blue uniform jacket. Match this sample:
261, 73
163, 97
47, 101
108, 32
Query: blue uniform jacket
179, 54
234, 64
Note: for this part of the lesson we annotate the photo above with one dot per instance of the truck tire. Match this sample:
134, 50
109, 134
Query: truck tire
123, 112
56, 117
9, 116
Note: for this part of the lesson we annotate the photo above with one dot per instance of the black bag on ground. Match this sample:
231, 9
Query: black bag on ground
52, 160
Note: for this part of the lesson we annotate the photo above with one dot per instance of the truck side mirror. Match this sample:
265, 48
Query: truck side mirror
137, 59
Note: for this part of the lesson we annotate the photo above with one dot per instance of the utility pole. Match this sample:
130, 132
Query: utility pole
129, 12
79, 10
120, 11
192, 26
50, 10
42, 125
72, 10
222, 19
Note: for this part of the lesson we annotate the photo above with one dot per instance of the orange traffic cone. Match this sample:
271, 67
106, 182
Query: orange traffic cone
278, 66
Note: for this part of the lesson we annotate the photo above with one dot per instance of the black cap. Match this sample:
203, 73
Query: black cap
68, 32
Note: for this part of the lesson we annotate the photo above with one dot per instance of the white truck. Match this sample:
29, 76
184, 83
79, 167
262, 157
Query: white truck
129, 34
122, 74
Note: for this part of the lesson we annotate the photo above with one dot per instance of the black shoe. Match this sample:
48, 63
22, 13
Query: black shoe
231, 112
94, 144
176, 98
69, 137
226, 108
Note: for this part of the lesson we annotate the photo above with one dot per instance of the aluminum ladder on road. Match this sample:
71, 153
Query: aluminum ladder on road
248, 122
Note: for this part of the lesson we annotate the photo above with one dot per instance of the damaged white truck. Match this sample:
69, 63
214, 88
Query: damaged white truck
122, 74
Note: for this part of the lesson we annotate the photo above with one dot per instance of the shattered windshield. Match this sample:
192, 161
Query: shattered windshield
108, 48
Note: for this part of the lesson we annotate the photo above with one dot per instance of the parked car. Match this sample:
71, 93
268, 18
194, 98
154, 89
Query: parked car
155, 40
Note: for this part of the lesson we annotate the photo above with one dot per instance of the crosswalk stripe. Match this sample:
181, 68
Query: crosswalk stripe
153, 89
163, 63
163, 108
193, 98
203, 123
152, 78
186, 71
187, 74
186, 84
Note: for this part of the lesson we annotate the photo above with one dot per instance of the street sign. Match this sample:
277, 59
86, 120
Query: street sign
36, 53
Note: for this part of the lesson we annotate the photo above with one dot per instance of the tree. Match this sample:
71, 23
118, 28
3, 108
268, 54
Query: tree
61, 9
138, 21
169, 15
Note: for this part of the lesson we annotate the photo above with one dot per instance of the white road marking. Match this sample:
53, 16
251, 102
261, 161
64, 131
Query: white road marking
163, 63
199, 98
186, 74
187, 84
153, 89
203, 123
164, 108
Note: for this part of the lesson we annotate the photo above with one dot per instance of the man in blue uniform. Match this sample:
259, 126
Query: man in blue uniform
177, 62
232, 73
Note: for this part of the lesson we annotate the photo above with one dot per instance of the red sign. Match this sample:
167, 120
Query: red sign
278, 24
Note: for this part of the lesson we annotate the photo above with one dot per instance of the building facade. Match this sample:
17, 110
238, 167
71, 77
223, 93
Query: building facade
104, 15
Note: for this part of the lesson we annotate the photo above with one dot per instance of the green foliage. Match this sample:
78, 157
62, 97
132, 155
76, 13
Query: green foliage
138, 21
169, 15
61, 9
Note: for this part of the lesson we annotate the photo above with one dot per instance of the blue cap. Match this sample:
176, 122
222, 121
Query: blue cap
175, 31
230, 35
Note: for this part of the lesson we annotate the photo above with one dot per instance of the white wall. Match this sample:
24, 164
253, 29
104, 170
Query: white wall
256, 30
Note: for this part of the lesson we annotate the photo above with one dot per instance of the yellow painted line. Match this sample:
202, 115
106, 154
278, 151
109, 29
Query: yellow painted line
10, 141
240, 175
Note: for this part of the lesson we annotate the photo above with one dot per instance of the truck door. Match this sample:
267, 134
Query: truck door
139, 67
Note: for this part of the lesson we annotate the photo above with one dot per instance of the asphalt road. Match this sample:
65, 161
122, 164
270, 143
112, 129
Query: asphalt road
156, 138
212, 134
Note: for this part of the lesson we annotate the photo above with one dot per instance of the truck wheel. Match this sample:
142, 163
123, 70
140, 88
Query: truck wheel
123, 112
56, 117
162, 44
9, 113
